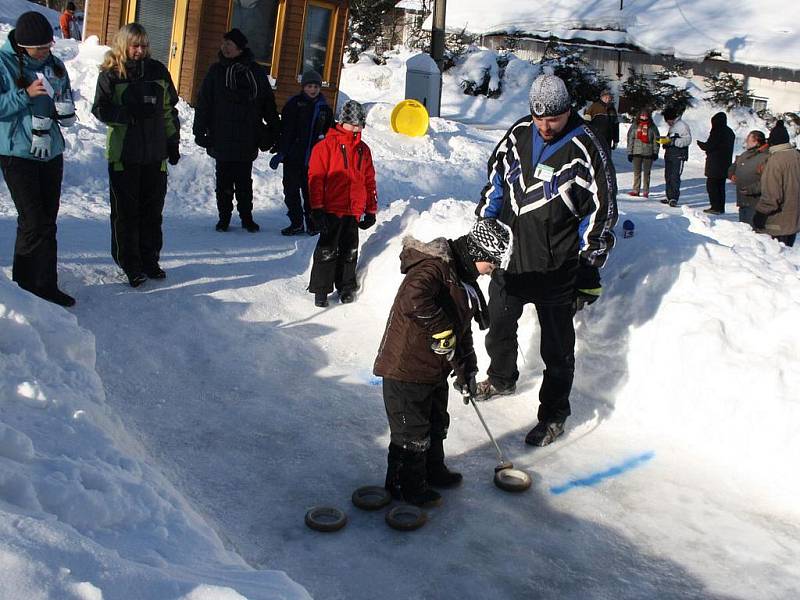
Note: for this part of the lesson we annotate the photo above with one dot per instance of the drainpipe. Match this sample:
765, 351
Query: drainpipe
437, 42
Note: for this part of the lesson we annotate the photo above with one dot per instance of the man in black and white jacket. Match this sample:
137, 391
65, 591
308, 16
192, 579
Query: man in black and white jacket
552, 181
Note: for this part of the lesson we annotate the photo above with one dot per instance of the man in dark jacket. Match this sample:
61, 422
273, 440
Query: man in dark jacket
603, 118
719, 155
235, 116
305, 119
551, 179
427, 335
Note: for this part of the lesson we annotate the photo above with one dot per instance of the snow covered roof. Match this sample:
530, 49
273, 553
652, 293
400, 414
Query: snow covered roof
410, 4
763, 32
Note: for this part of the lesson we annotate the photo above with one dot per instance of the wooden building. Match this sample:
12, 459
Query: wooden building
288, 36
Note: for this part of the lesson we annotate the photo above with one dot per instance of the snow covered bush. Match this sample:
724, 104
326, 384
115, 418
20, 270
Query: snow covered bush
481, 72
726, 91
366, 25
583, 81
668, 87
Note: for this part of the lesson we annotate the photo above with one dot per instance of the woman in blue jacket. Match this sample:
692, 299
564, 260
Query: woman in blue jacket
35, 102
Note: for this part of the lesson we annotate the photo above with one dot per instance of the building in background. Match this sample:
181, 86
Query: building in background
288, 36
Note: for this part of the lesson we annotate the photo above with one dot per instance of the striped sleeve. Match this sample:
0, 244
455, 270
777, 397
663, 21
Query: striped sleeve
597, 201
490, 204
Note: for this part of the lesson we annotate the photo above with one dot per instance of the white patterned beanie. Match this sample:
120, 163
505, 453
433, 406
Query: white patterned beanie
549, 96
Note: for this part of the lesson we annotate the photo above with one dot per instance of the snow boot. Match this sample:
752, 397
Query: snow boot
56, 296
310, 228
544, 433
486, 390
438, 473
393, 463
665, 201
136, 279
413, 484
321, 299
673, 203
249, 224
223, 223
293, 229
155, 272
346, 297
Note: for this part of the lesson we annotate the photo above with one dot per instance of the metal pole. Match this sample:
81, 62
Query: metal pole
486, 427
437, 49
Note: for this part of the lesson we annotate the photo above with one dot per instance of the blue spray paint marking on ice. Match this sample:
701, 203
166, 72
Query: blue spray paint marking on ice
596, 478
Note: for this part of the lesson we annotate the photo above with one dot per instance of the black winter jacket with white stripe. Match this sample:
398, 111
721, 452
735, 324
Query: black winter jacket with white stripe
558, 197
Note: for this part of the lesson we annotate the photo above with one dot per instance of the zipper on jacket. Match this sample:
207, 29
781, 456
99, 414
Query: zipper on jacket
344, 155
360, 151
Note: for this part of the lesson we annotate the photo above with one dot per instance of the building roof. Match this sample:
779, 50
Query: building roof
758, 32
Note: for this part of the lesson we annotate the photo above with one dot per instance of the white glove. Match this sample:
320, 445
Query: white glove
41, 123
40, 147
65, 109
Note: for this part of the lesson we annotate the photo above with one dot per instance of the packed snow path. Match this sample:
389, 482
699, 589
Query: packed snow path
259, 405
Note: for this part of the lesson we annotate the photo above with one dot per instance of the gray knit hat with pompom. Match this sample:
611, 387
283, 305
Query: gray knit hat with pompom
549, 96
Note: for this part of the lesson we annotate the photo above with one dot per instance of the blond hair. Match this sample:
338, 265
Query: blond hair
132, 33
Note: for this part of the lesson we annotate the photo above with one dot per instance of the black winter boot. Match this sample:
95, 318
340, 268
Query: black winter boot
393, 463
248, 223
223, 223
545, 433
438, 473
413, 485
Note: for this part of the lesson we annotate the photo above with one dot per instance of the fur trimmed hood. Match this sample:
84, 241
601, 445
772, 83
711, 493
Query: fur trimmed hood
415, 251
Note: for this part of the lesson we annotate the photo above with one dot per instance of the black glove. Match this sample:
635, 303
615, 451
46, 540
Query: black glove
630, 158
367, 222
466, 385
320, 220
173, 154
587, 285
759, 221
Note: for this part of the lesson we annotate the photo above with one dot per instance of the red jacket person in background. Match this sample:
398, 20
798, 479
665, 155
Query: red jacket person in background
341, 183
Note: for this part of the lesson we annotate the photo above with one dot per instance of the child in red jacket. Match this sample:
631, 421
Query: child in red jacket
341, 183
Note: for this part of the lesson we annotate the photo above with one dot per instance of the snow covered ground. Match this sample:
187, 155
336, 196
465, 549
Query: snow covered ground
165, 442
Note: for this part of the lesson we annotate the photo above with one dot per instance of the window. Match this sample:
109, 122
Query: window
257, 20
759, 103
317, 38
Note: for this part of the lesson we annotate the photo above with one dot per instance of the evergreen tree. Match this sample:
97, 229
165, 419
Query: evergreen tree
727, 91
582, 80
366, 24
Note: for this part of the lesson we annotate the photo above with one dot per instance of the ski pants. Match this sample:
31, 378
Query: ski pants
137, 201
295, 192
335, 256
716, 193
234, 178
641, 173
417, 412
35, 188
557, 347
673, 169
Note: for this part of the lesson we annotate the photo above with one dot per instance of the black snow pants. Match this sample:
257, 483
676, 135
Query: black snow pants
335, 256
295, 192
557, 345
716, 193
35, 188
234, 178
417, 412
137, 201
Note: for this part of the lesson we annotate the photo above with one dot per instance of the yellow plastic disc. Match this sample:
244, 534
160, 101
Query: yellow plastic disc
410, 117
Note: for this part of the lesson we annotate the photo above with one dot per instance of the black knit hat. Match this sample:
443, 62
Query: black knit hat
33, 30
489, 240
778, 135
71, 6
311, 77
237, 37
353, 112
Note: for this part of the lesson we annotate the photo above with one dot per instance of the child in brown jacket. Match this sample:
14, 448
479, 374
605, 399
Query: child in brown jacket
427, 336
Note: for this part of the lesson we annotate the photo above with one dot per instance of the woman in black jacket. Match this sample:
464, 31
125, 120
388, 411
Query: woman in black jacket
135, 97
719, 156
235, 116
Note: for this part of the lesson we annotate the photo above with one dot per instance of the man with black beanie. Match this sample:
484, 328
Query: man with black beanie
235, 116
552, 181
